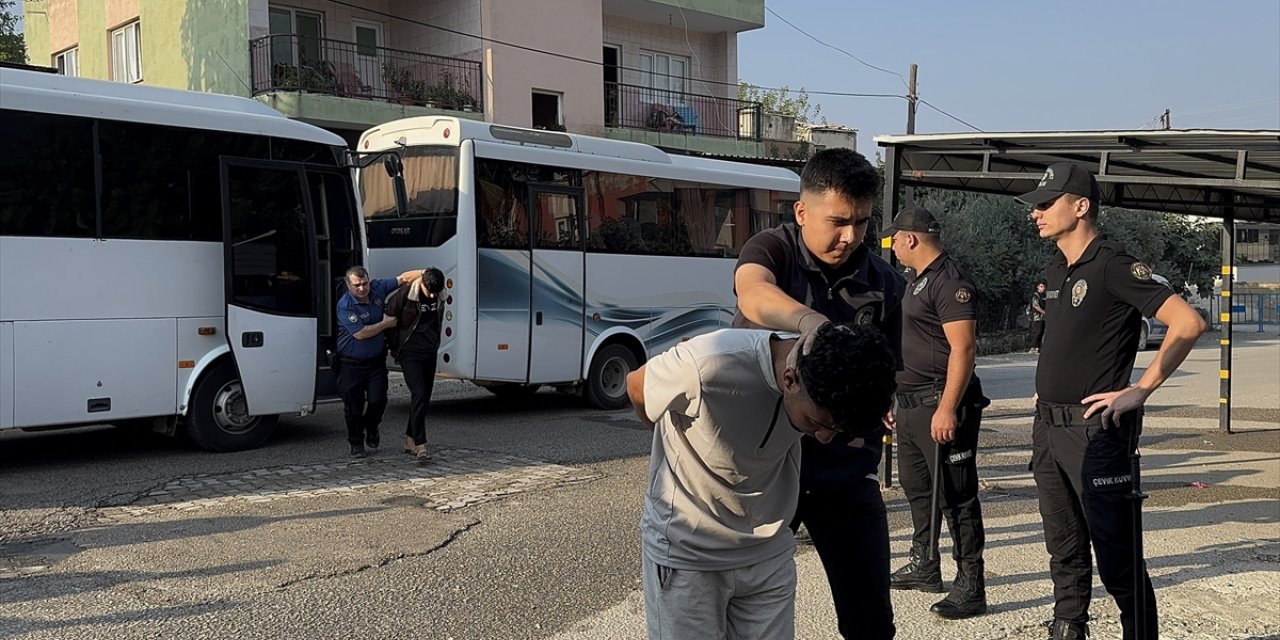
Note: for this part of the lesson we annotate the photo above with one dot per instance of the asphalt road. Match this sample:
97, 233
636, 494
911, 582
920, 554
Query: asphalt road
523, 526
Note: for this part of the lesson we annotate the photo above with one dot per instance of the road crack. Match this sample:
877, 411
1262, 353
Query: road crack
454, 536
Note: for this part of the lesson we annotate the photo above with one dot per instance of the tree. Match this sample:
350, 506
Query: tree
12, 46
1181, 249
783, 101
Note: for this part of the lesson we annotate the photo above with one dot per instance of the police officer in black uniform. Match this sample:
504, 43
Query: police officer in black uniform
798, 277
1088, 416
939, 410
362, 354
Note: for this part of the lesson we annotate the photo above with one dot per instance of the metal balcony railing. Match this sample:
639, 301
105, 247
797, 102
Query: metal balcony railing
635, 107
334, 67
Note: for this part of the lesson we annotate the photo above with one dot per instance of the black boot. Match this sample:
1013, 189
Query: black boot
1068, 630
968, 597
919, 574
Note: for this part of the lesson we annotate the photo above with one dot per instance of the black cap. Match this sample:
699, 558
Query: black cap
1060, 178
917, 219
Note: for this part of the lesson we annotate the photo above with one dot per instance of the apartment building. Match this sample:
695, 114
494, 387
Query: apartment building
662, 72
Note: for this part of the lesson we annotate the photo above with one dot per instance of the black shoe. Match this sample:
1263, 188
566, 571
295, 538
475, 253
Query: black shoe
372, 440
918, 574
357, 451
968, 597
1068, 630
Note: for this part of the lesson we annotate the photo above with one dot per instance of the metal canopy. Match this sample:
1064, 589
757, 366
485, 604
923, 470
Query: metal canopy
1215, 173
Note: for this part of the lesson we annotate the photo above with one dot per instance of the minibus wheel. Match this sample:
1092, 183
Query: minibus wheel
218, 419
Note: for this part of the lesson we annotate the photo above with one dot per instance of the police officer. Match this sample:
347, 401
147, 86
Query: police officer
362, 372
939, 409
797, 277
1088, 417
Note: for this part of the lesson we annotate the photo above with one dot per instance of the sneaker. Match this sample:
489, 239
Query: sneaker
357, 451
372, 439
802, 536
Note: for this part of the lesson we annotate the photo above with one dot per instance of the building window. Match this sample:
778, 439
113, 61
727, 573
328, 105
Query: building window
298, 36
663, 71
546, 111
126, 53
68, 62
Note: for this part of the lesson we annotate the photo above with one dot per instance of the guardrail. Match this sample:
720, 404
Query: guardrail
320, 65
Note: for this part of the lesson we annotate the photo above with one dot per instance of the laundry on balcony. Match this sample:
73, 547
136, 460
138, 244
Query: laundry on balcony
679, 118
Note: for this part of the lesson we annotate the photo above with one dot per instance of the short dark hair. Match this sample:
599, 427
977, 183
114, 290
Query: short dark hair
433, 279
357, 271
1092, 213
850, 371
844, 171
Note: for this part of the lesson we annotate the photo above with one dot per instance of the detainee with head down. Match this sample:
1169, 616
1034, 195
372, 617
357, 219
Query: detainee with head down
729, 410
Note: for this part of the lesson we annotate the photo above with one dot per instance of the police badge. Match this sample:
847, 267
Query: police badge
1078, 292
1140, 271
865, 316
963, 295
920, 285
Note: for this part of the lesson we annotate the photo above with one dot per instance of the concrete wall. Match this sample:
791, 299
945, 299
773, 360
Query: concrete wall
712, 56
511, 75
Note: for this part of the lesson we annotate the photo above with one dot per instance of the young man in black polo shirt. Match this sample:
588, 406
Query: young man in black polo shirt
798, 277
1088, 416
939, 411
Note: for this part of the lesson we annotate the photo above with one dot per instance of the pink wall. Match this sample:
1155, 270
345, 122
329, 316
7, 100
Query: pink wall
120, 12
569, 27
64, 26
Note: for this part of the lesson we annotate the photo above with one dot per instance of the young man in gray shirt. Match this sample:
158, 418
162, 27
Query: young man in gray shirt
729, 409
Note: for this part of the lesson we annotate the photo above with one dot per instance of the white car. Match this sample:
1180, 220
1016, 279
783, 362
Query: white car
1153, 331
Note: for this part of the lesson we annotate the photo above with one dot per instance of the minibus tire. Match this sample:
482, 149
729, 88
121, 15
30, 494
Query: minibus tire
216, 421
607, 377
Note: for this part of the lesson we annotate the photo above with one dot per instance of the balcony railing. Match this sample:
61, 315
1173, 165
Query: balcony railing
334, 67
635, 107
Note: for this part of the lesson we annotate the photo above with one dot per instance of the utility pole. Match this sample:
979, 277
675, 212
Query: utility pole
912, 99
1166, 120
886, 246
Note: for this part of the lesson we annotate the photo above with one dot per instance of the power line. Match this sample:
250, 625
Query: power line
841, 94
830, 46
867, 64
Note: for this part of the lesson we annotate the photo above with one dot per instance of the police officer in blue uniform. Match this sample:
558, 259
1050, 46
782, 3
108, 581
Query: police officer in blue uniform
939, 411
1088, 416
362, 372
797, 277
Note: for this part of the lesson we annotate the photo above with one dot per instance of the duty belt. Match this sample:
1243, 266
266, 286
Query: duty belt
926, 398
1066, 415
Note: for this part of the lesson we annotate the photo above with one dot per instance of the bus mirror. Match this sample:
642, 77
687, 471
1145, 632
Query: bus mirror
391, 162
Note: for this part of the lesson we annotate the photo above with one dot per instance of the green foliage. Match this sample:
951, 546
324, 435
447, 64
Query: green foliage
783, 101
1175, 246
13, 48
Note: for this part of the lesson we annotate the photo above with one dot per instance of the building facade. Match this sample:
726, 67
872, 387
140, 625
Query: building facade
661, 72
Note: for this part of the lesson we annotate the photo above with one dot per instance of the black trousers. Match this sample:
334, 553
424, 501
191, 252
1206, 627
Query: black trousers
363, 387
1084, 477
418, 363
958, 482
850, 530
1037, 333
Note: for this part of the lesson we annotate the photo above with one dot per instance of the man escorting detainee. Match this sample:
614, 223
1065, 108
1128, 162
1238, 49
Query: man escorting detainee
1088, 417
800, 276
728, 410
362, 370
938, 414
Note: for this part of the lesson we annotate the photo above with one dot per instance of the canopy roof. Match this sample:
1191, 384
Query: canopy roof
1214, 173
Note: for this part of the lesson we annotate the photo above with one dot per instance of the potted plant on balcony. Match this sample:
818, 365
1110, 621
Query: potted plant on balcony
408, 89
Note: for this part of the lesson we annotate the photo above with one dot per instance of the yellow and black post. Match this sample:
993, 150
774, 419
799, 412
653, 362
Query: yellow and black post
1224, 319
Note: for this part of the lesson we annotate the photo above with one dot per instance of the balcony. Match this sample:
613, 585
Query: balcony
287, 63
664, 111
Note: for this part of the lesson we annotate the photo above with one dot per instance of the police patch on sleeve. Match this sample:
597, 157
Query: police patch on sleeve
963, 295
352, 318
1140, 271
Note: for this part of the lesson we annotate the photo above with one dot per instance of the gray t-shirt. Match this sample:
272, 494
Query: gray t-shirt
724, 475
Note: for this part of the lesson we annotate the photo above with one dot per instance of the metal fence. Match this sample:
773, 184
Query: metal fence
1258, 309
634, 107
321, 65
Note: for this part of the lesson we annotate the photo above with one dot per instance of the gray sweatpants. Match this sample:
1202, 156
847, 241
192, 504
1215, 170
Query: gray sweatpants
757, 602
